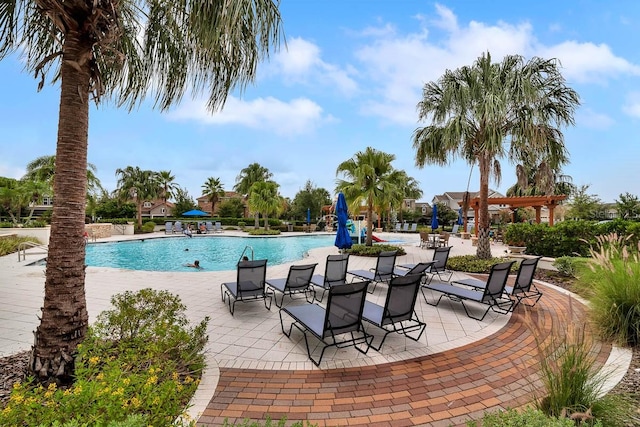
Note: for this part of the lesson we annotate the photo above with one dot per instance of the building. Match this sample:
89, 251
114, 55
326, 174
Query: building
157, 209
205, 205
453, 199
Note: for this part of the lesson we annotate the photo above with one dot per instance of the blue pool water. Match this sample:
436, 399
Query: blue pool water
214, 253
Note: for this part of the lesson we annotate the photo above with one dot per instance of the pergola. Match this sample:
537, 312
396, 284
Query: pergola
536, 202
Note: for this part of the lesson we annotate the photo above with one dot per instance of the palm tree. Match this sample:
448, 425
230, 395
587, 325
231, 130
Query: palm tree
249, 176
541, 178
168, 187
369, 179
490, 110
409, 189
265, 199
213, 189
43, 169
137, 185
125, 50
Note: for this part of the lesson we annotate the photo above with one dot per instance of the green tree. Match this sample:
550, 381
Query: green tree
446, 215
409, 188
137, 185
13, 198
126, 51
232, 208
368, 178
167, 186
108, 206
245, 180
213, 189
265, 199
183, 202
491, 110
582, 205
309, 197
541, 178
627, 205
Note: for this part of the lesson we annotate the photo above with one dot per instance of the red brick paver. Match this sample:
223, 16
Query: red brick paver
447, 388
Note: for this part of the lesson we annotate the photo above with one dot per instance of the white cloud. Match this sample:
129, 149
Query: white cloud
593, 120
298, 116
632, 106
11, 171
588, 62
301, 62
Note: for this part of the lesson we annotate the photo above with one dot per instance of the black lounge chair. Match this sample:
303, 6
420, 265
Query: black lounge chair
383, 272
398, 313
438, 267
492, 295
335, 273
297, 281
249, 285
340, 321
523, 288
419, 268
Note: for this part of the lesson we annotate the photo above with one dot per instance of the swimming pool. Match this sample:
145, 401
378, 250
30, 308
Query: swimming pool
214, 253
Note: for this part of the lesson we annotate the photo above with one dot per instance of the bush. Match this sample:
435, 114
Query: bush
529, 417
568, 266
242, 225
374, 250
9, 245
148, 227
612, 284
139, 365
263, 232
472, 264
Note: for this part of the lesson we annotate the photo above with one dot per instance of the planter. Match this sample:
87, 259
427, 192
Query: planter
517, 249
465, 235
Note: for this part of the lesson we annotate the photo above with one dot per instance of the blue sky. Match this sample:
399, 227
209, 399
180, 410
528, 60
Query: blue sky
349, 77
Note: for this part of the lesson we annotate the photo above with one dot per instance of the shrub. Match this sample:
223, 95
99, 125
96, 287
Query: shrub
472, 264
263, 232
148, 227
139, 365
568, 266
612, 284
242, 225
374, 250
9, 245
529, 417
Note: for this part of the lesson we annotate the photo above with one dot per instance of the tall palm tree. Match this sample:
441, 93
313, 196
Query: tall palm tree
368, 178
125, 50
213, 189
541, 179
43, 169
167, 186
491, 110
265, 199
137, 185
249, 176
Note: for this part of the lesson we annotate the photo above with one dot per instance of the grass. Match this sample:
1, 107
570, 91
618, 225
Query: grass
9, 245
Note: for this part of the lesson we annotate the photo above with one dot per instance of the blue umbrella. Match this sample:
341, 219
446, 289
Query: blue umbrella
195, 212
434, 217
343, 238
460, 221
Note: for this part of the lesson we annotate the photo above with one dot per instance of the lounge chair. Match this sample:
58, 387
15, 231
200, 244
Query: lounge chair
398, 227
454, 231
420, 268
177, 228
249, 285
523, 288
405, 227
297, 281
335, 273
398, 313
492, 295
383, 272
168, 227
218, 227
340, 322
209, 226
438, 267
414, 228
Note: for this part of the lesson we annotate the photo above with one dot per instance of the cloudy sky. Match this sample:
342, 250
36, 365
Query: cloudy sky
350, 77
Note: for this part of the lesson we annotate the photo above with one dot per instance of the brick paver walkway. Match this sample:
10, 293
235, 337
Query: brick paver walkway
447, 388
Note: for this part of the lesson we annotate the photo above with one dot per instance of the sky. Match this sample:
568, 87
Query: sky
349, 77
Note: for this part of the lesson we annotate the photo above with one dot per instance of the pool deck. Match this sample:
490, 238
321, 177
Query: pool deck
459, 368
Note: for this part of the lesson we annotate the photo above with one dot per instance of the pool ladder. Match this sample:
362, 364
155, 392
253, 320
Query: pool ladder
246, 248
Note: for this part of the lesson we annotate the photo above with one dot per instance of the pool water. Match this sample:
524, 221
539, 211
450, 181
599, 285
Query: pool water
214, 253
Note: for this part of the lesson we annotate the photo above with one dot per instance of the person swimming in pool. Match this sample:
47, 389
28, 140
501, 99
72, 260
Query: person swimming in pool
196, 264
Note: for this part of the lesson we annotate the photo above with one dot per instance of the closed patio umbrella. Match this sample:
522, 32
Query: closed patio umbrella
434, 218
343, 238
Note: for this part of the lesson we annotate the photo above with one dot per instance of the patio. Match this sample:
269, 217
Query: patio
460, 368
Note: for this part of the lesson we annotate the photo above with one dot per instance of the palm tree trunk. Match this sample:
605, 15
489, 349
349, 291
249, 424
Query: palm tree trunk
64, 314
482, 222
369, 241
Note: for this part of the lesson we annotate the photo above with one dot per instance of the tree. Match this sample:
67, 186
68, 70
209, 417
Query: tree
309, 197
124, 50
168, 187
43, 169
409, 189
490, 110
249, 176
212, 188
582, 205
232, 208
265, 199
627, 205
541, 178
368, 179
13, 198
183, 202
137, 185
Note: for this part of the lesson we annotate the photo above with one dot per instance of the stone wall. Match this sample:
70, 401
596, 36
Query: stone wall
99, 231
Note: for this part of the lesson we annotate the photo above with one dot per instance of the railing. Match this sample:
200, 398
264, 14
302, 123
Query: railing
23, 246
246, 248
